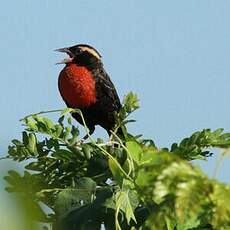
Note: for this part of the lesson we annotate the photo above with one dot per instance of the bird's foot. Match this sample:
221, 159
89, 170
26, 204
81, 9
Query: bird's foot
112, 141
78, 144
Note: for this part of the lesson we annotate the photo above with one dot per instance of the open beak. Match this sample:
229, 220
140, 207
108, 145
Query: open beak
67, 59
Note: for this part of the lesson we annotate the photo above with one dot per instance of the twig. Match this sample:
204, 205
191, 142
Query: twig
219, 162
5, 158
42, 112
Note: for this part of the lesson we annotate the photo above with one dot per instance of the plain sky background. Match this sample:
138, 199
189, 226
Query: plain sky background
174, 54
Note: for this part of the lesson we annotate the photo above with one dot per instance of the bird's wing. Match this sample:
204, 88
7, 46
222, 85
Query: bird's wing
106, 93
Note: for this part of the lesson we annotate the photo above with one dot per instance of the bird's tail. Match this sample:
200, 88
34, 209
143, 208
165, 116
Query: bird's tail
122, 132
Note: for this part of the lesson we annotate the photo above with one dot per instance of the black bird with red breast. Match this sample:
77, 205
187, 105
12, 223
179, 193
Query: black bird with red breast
84, 84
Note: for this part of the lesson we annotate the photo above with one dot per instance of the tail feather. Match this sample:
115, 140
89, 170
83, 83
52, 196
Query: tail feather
121, 132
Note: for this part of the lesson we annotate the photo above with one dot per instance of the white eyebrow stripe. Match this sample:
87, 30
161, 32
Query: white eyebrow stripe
92, 51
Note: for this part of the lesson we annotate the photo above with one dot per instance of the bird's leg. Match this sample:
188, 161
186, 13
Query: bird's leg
91, 130
112, 141
111, 136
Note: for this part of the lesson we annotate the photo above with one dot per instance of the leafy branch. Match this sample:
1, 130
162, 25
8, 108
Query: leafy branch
121, 184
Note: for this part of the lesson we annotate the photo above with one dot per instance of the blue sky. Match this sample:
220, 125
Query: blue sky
174, 54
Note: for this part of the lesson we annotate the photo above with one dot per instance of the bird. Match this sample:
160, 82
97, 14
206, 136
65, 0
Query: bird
84, 84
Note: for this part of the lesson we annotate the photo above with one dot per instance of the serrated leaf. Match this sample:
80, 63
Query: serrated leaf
123, 203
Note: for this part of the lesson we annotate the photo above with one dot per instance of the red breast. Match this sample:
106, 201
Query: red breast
77, 86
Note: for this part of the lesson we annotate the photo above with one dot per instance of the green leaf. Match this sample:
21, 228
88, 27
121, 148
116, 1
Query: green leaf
221, 211
72, 141
86, 183
66, 133
69, 120
170, 223
193, 147
132, 185
58, 130
86, 214
66, 111
116, 171
49, 124
35, 166
69, 199
131, 102
75, 197
32, 142
31, 124
134, 150
123, 203
189, 202
87, 150
63, 154
25, 138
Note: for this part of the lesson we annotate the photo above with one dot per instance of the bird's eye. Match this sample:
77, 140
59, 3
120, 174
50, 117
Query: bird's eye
78, 51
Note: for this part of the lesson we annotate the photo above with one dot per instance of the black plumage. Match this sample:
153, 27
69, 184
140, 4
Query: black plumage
107, 100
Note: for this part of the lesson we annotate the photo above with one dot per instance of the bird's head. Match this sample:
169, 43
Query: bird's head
80, 54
